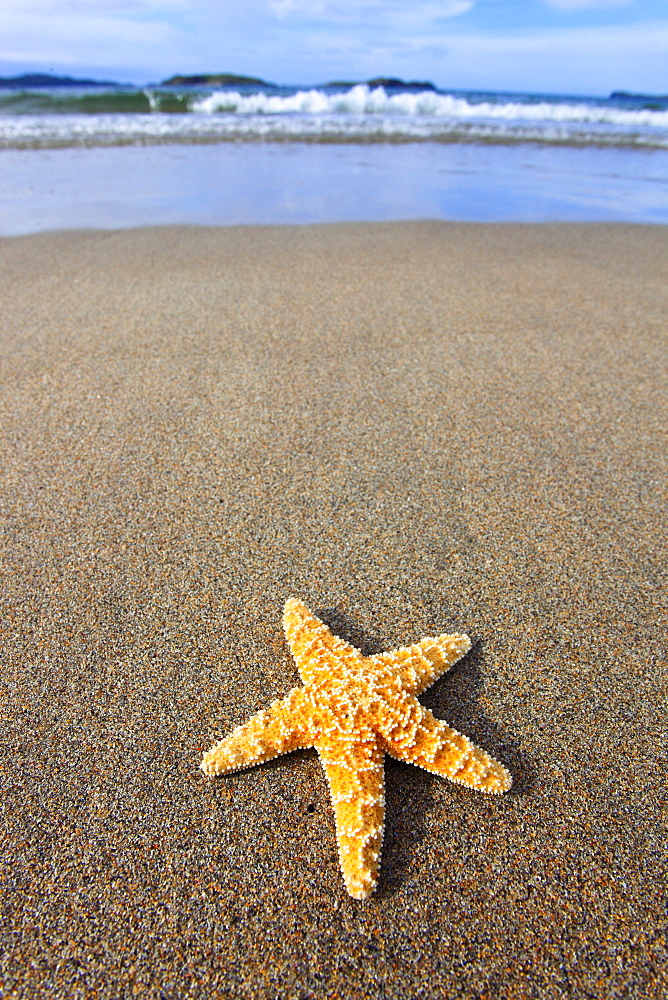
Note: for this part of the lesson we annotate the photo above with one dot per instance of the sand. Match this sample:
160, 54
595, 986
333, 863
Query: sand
416, 428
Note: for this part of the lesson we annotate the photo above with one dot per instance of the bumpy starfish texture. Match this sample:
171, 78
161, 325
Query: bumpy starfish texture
354, 709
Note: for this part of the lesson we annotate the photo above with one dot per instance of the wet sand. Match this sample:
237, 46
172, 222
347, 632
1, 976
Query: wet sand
289, 183
416, 428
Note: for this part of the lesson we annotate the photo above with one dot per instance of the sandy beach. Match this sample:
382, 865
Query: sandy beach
416, 428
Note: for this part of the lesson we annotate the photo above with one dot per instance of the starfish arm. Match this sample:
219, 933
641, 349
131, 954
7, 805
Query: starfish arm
312, 644
419, 738
286, 725
420, 665
356, 782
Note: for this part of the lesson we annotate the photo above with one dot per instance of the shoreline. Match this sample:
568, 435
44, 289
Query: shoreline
274, 183
416, 428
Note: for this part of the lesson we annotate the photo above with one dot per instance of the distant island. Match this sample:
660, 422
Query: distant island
626, 95
385, 81
50, 80
28, 80
215, 79
233, 79
643, 102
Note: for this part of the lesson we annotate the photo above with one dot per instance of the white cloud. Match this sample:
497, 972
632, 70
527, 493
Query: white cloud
380, 13
76, 9
583, 60
568, 60
309, 41
588, 4
91, 34
287, 8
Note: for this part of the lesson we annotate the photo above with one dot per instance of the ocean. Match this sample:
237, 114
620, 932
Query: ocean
114, 156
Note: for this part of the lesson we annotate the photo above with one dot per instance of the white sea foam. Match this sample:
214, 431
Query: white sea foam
360, 114
362, 100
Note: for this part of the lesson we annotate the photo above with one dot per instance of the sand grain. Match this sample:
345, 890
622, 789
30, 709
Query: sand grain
416, 428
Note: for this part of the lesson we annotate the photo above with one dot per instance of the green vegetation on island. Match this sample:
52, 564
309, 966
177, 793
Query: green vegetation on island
643, 102
391, 82
234, 79
28, 80
51, 80
215, 79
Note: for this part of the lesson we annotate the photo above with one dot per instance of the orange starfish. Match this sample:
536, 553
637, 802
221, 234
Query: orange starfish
354, 709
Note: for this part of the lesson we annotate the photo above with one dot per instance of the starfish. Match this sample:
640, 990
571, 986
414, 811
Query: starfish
354, 709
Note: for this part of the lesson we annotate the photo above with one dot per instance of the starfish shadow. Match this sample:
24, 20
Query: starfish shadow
453, 698
345, 628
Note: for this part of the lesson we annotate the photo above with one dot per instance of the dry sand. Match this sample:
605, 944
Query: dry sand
416, 428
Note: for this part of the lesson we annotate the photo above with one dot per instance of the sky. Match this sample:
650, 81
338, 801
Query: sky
545, 46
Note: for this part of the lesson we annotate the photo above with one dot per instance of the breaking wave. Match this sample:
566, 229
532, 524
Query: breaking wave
359, 114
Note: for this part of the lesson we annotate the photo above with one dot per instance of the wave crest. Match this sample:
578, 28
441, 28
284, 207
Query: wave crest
362, 100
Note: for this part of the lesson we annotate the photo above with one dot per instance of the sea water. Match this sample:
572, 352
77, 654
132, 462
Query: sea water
115, 156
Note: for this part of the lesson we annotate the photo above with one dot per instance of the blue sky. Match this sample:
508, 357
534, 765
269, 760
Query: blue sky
565, 46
